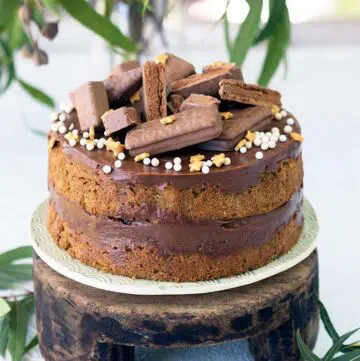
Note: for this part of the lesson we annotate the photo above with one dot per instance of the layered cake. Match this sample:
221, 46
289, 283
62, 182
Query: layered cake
162, 173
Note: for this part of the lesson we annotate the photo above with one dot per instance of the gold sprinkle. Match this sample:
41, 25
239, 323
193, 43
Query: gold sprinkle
218, 63
106, 113
141, 157
226, 115
218, 159
275, 109
241, 144
168, 120
161, 59
115, 147
135, 97
195, 166
52, 142
71, 135
92, 133
296, 136
250, 136
196, 158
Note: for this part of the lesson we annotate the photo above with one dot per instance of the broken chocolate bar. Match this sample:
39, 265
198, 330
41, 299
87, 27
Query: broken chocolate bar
126, 66
205, 83
91, 102
256, 118
188, 128
234, 70
115, 120
175, 101
154, 90
198, 100
238, 91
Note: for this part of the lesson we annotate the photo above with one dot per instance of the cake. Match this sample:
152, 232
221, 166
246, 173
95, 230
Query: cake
161, 173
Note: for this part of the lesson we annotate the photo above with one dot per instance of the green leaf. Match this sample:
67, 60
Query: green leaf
4, 308
329, 327
276, 49
306, 353
109, 6
33, 343
6, 56
12, 275
227, 30
52, 6
351, 356
247, 32
4, 335
276, 11
86, 15
17, 37
335, 348
8, 10
15, 254
37, 94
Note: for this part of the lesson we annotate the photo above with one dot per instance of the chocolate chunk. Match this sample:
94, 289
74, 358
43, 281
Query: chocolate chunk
236, 90
126, 66
175, 67
256, 118
234, 70
154, 90
115, 120
91, 102
198, 100
175, 101
190, 127
120, 86
206, 83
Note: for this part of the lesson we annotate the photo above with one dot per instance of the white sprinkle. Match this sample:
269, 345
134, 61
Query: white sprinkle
90, 146
72, 142
106, 133
205, 169
265, 146
243, 150
290, 121
227, 161
62, 117
288, 129
86, 135
272, 144
100, 145
107, 169
54, 116
282, 138
55, 127
71, 126
209, 163
283, 113
177, 167
146, 161
62, 129
121, 155
168, 165
257, 142
248, 145
278, 116
259, 155
155, 162
118, 163
82, 141
275, 130
75, 131
177, 160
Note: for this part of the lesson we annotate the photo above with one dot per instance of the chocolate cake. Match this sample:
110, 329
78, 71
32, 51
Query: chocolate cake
209, 186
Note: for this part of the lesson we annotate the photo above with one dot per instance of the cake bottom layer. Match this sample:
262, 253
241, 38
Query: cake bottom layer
147, 262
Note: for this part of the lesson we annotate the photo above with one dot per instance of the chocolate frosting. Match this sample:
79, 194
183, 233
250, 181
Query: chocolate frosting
218, 237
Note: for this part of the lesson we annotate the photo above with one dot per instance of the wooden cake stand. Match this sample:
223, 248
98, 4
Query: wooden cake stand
77, 322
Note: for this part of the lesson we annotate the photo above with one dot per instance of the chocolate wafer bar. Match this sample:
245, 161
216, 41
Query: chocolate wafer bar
118, 119
238, 91
232, 67
256, 118
187, 128
198, 100
125, 66
175, 101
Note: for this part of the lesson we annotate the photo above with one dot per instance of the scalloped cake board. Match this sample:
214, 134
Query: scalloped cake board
62, 263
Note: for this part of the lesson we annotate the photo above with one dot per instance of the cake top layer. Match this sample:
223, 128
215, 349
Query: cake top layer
162, 123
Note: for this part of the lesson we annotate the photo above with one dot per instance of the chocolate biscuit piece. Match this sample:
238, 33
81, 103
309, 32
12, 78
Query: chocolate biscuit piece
238, 91
120, 86
198, 100
154, 90
125, 66
115, 120
234, 70
91, 102
256, 118
190, 127
205, 83
175, 101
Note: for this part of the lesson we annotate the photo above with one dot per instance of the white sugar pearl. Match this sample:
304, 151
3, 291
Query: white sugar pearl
96, 141
86, 135
275, 130
82, 141
55, 127
272, 144
248, 145
106, 133
268, 134
278, 116
54, 116
155, 162
274, 138
266, 139
62, 117
69, 108
62, 129
287, 129
177, 160
290, 121
259, 155
107, 169
90, 146
243, 150
100, 145
282, 138
118, 163
227, 161
168, 165
262, 134
265, 146
209, 163
177, 167
72, 142
146, 161
121, 156
283, 113
205, 169
257, 142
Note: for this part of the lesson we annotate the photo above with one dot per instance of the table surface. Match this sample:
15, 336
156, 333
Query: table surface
321, 88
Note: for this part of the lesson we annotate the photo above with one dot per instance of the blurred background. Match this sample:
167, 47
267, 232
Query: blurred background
319, 84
